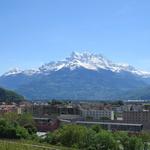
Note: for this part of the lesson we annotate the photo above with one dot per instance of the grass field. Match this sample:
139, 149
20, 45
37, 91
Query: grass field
8, 145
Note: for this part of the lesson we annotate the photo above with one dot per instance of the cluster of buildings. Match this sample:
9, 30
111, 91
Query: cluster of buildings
130, 116
13, 107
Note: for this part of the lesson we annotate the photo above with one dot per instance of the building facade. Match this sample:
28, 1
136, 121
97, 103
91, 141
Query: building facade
142, 117
97, 114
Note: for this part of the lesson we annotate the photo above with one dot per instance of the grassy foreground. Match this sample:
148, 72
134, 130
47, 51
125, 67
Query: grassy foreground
8, 145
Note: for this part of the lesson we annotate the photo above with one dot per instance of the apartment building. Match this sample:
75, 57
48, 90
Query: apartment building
142, 117
97, 114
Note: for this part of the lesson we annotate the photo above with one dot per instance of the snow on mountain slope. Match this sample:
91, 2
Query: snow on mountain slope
16, 71
86, 60
13, 72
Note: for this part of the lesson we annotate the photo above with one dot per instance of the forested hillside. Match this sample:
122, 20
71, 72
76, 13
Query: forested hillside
9, 96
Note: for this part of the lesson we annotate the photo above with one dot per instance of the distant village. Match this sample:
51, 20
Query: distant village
131, 116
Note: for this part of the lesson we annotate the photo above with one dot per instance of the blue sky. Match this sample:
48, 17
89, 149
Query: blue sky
33, 32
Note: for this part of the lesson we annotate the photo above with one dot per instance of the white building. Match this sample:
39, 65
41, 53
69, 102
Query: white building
97, 114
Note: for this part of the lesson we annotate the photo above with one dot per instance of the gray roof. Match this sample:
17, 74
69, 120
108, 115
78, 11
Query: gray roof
107, 123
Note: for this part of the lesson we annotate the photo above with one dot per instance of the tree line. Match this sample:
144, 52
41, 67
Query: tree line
96, 138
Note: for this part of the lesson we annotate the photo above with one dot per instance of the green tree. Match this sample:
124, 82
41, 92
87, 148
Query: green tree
30, 128
123, 139
105, 141
129, 143
72, 135
25, 119
135, 143
97, 128
12, 131
22, 133
11, 117
49, 138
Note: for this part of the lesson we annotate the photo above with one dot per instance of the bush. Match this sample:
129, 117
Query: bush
12, 131
22, 133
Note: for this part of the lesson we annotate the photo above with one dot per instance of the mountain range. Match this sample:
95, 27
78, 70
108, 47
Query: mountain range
81, 76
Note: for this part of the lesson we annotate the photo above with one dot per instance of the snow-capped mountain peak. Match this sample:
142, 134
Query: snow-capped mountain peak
90, 61
85, 60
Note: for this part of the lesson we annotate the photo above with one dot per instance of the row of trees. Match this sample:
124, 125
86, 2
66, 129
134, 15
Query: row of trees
95, 138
